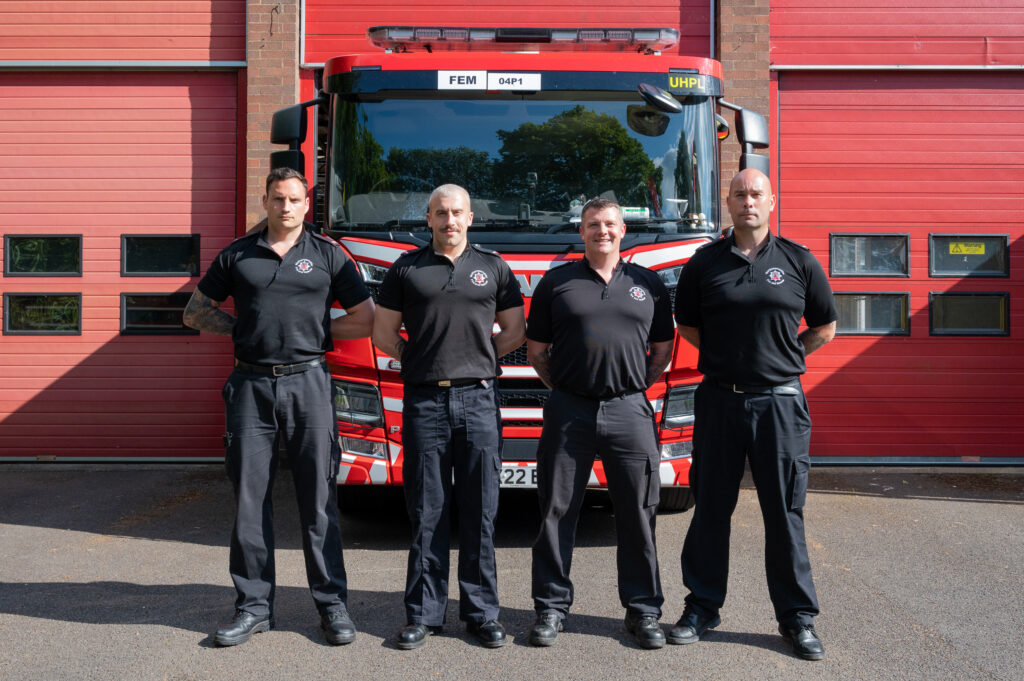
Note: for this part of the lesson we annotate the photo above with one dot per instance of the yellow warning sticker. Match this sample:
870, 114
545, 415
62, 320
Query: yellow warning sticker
967, 248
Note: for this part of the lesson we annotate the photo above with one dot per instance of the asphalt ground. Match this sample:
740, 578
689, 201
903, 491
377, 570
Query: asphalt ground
121, 573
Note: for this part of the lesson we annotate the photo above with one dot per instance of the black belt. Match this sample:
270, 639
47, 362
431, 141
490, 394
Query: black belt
278, 369
454, 382
787, 388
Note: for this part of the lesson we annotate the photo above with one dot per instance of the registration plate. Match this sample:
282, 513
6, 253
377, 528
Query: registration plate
519, 476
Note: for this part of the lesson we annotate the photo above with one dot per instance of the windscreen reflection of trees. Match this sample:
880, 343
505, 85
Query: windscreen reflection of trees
576, 153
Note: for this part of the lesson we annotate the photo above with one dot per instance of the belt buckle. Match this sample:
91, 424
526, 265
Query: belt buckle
444, 384
275, 368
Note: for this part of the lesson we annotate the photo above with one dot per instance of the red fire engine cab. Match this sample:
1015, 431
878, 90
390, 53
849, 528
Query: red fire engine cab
532, 122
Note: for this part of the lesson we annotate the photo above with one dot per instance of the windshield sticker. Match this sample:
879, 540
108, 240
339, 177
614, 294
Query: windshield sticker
461, 80
513, 81
690, 84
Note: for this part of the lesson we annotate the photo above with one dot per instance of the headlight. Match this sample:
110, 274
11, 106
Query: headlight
351, 445
678, 411
677, 450
358, 403
372, 274
670, 275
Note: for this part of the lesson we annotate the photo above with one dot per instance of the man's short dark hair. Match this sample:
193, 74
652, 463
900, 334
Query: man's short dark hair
279, 174
599, 203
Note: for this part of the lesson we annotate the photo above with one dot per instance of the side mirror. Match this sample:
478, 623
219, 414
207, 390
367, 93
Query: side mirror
288, 126
751, 130
751, 133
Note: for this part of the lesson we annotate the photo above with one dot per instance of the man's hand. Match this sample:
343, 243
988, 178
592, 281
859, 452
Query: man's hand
357, 322
202, 314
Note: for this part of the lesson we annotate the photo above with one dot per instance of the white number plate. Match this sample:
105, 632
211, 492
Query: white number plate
519, 476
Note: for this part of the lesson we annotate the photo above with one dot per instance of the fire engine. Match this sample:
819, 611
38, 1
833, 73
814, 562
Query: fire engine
532, 122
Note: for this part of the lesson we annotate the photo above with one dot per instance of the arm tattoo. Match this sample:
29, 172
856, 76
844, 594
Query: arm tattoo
812, 340
657, 361
202, 313
542, 365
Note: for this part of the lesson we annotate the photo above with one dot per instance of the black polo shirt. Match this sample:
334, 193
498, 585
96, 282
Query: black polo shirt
599, 332
448, 310
283, 304
748, 313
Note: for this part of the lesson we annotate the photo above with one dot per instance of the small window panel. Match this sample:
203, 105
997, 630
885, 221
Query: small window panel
147, 255
968, 255
43, 255
154, 314
969, 314
873, 314
43, 313
869, 255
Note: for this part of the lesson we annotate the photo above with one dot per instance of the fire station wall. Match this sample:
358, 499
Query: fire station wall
333, 28
916, 153
122, 30
918, 32
101, 155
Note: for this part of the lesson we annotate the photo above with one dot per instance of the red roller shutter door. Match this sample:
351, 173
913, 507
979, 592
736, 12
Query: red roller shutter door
101, 155
913, 153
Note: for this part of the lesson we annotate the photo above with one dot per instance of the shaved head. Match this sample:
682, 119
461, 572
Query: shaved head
750, 200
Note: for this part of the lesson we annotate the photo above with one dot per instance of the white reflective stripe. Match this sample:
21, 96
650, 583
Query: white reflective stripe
521, 413
375, 251
343, 474
663, 255
656, 405
667, 474
337, 312
379, 472
391, 404
495, 328
521, 372
394, 450
593, 482
535, 265
348, 458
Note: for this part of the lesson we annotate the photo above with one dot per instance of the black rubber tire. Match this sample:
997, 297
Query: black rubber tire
675, 500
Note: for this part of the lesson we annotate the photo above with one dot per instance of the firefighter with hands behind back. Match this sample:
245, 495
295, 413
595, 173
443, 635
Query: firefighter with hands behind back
740, 301
284, 280
600, 333
448, 294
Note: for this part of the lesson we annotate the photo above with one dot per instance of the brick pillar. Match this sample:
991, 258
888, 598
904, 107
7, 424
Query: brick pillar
743, 51
272, 75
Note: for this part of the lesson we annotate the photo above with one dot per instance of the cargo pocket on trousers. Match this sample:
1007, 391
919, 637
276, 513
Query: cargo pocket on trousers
653, 484
334, 466
798, 484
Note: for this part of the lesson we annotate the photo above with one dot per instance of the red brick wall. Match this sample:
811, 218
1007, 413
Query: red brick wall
272, 83
743, 50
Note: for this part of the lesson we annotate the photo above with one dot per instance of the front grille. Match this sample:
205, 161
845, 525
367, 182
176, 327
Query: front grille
529, 393
516, 358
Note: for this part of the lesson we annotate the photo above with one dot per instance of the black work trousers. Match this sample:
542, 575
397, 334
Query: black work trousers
446, 433
622, 431
301, 409
773, 432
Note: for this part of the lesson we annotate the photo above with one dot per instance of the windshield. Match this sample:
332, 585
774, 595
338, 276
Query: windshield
529, 164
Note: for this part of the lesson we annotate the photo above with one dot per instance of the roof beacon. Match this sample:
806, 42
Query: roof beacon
431, 38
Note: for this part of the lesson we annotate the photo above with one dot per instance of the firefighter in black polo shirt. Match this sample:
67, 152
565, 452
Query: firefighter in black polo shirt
740, 301
449, 294
284, 280
591, 323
